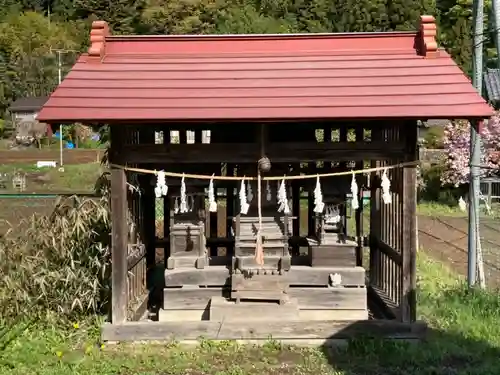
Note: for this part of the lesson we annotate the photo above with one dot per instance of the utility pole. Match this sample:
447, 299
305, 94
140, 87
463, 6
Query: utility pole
59, 53
475, 143
59, 79
496, 23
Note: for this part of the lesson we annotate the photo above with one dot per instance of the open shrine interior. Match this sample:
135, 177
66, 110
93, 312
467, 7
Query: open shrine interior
315, 263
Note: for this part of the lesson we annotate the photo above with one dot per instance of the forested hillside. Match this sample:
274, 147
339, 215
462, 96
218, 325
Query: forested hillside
31, 31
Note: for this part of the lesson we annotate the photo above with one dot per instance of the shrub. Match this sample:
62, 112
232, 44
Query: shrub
434, 137
431, 188
57, 263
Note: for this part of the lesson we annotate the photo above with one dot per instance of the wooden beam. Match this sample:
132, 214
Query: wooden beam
119, 233
261, 330
386, 249
250, 152
297, 276
307, 298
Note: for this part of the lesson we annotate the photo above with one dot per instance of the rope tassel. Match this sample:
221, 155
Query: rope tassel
354, 193
161, 188
244, 206
319, 206
212, 204
282, 199
386, 188
183, 208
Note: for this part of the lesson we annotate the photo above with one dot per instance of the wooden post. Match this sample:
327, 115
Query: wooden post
296, 212
213, 223
149, 212
311, 216
119, 231
358, 214
166, 206
375, 214
409, 248
147, 136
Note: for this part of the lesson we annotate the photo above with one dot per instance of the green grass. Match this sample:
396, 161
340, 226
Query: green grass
438, 209
77, 178
465, 339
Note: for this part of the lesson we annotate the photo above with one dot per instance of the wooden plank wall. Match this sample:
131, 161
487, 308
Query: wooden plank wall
131, 207
392, 229
137, 257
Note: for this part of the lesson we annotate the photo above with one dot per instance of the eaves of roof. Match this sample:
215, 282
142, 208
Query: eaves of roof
264, 77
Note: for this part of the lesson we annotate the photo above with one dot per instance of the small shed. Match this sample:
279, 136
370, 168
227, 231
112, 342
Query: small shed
311, 107
492, 85
27, 109
24, 112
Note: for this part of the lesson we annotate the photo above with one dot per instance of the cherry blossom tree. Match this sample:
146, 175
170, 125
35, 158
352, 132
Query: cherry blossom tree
457, 146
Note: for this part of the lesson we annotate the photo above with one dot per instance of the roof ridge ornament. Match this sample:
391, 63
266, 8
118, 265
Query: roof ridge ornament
98, 34
426, 37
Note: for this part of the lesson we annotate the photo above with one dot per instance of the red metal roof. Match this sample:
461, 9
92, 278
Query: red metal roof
267, 77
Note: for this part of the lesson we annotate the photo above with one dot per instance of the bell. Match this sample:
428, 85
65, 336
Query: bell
264, 164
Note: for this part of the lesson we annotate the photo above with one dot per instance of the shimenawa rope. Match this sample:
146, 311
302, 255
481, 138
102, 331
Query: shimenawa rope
271, 178
259, 251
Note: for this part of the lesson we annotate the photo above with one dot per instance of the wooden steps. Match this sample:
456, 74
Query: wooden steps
222, 309
189, 293
311, 304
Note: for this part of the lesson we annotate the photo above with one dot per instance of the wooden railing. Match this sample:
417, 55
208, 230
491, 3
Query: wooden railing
136, 281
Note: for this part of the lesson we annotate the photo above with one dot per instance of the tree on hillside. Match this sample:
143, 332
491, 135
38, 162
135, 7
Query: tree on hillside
27, 42
123, 16
179, 17
457, 147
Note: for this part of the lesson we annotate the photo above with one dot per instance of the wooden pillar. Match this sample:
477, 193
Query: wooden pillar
296, 205
229, 207
213, 223
409, 248
358, 214
149, 212
166, 206
147, 136
311, 229
375, 212
119, 232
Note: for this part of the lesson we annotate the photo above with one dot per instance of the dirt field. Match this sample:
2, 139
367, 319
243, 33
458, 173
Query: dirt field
445, 238
14, 210
30, 156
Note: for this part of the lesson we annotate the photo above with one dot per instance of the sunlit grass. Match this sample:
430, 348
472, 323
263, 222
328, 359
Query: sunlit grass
465, 339
77, 178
